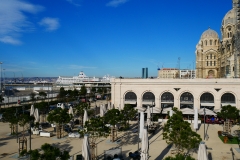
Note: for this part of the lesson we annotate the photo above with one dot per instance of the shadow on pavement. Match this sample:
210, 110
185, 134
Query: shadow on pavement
164, 152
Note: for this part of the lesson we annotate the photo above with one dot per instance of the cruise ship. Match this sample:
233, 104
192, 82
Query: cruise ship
81, 79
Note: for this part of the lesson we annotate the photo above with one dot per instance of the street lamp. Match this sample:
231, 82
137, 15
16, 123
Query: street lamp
1, 76
204, 122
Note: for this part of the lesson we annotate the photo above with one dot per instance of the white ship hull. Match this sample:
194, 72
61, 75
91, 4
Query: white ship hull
81, 78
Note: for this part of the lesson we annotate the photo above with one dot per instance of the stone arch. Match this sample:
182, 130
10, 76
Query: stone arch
130, 97
207, 100
167, 99
211, 74
186, 100
228, 98
148, 98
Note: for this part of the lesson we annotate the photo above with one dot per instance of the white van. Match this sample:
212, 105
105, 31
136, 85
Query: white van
59, 104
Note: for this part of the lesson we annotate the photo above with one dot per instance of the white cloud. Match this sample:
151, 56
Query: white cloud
74, 2
10, 40
13, 19
116, 3
51, 24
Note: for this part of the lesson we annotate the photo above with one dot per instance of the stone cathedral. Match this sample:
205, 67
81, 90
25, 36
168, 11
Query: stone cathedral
219, 58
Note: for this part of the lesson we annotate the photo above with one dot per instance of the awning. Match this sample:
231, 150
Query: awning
166, 110
226, 104
168, 102
187, 111
207, 112
130, 102
207, 104
148, 102
154, 110
186, 102
141, 109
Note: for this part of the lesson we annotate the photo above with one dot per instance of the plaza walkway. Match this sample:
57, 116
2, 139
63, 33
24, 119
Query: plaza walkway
128, 142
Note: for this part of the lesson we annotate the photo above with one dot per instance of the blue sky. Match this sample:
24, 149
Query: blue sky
48, 38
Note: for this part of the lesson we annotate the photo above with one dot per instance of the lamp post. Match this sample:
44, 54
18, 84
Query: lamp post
204, 123
1, 76
17, 124
152, 111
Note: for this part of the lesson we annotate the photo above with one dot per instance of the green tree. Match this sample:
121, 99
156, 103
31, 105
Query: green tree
43, 94
75, 93
32, 96
80, 110
93, 89
113, 117
48, 152
229, 112
10, 115
95, 127
1, 100
127, 114
83, 91
62, 93
59, 116
179, 133
24, 120
42, 107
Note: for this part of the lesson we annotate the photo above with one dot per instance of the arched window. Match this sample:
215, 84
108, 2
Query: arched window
230, 34
206, 42
186, 100
207, 101
210, 63
130, 96
148, 96
167, 97
210, 42
207, 63
215, 42
207, 98
214, 63
228, 98
210, 56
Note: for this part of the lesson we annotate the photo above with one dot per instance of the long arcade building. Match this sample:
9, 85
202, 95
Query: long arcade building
180, 93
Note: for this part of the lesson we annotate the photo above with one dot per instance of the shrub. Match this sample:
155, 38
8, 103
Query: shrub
219, 133
179, 157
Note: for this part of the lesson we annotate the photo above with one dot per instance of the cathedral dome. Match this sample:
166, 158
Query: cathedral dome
209, 34
229, 18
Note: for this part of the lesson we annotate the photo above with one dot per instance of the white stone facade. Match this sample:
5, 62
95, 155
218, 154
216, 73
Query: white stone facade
197, 87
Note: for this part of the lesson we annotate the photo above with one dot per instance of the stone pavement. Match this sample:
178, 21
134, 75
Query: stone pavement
128, 142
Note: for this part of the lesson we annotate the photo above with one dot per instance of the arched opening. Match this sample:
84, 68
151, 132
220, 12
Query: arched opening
130, 98
167, 100
211, 74
228, 99
207, 101
186, 100
148, 99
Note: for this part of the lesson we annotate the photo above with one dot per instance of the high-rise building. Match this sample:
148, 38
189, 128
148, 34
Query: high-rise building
144, 73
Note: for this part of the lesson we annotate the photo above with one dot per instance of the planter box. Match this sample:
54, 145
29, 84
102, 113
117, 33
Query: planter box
45, 134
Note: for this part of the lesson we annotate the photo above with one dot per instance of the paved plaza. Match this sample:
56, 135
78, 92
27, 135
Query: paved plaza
127, 141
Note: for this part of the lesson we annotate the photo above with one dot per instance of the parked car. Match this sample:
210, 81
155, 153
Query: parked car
52, 108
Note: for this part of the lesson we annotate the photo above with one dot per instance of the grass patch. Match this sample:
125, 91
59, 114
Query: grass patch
234, 140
